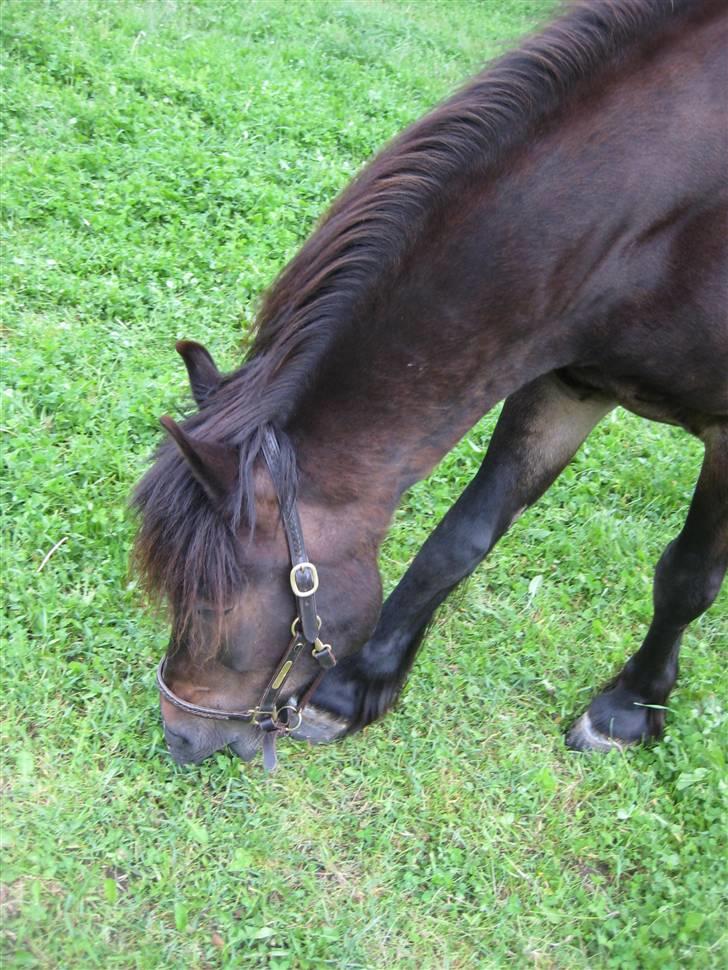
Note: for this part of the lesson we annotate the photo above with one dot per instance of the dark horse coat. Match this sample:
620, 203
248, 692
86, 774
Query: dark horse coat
554, 234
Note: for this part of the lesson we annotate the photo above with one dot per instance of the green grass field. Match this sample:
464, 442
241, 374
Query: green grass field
162, 160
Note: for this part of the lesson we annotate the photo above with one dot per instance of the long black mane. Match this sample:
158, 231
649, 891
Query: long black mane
185, 549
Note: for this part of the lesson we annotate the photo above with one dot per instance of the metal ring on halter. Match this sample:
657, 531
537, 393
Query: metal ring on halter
294, 625
288, 707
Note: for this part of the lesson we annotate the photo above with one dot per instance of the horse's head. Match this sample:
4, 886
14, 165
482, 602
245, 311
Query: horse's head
239, 609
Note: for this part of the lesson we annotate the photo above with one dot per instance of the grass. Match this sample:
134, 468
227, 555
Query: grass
162, 160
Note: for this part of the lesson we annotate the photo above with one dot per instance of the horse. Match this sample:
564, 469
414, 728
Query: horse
552, 236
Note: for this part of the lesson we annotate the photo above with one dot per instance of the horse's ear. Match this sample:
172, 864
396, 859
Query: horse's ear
214, 465
204, 376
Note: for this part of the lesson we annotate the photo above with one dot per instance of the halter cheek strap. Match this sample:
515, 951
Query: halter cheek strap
271, 717
303, 576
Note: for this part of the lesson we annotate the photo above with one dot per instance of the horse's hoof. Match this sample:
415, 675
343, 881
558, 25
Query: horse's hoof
583, 736
319, 726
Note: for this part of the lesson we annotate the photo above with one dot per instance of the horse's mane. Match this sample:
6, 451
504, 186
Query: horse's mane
185, 549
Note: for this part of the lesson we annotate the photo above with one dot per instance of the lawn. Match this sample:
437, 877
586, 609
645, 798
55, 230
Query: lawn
162, 161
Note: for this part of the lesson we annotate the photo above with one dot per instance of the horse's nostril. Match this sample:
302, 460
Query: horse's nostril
175, 738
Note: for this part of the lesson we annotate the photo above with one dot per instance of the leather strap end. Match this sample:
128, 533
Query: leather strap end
270, 758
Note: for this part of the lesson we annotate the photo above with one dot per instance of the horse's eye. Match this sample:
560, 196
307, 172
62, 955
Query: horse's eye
209, 611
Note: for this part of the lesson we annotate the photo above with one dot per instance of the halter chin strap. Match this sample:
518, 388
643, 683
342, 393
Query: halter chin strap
271, 717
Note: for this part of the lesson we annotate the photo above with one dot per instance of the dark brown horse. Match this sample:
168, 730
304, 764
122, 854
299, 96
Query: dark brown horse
555, 234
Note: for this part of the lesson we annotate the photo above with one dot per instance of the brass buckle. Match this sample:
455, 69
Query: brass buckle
256, 714
297, 591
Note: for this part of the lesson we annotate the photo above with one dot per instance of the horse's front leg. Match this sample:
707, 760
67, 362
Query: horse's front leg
538, 432
687, 580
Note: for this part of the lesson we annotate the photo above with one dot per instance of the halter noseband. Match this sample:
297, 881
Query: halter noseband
274, 719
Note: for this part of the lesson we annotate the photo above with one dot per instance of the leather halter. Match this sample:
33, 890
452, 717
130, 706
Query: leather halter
271, 717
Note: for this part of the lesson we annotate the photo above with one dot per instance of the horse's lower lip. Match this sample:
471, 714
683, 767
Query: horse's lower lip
246, 749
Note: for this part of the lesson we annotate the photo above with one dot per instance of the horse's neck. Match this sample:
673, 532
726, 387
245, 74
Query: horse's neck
432, 353
464, 326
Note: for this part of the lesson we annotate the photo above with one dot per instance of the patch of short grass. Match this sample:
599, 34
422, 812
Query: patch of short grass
162, 160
